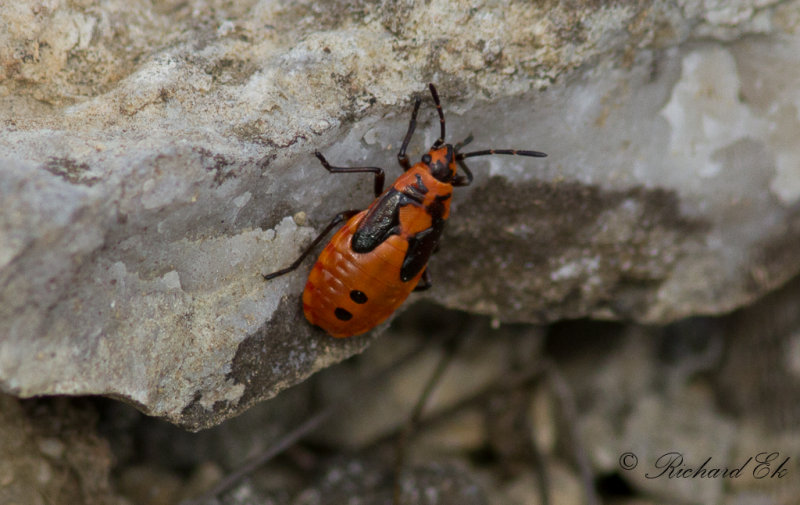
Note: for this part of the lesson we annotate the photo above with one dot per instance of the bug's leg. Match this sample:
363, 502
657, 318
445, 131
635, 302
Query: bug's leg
402, 158
334, 222
440, 141
379, 176
463, 180
424, 282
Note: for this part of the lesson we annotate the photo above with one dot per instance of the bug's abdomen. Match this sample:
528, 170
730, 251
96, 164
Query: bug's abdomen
348, 293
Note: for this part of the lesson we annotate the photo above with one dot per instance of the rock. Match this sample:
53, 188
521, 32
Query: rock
759, 382
681, 434
135, 437
385, 407
369, 482
146, 484
50, 453
564, 488
635, 389
760, 376
152, 155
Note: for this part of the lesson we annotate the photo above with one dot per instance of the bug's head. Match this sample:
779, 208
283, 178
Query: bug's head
441, 162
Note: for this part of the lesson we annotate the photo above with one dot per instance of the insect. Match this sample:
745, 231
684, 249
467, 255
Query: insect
380, 255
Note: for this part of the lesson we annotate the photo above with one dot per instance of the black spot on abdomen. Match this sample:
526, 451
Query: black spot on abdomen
358, 296
342, 314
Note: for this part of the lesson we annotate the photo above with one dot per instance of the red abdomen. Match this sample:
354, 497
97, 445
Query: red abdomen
348, 293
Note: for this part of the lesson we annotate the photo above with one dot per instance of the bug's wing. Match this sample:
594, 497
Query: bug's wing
381, 221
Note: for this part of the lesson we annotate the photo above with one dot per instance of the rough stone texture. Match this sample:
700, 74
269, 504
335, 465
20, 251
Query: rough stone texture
151, 156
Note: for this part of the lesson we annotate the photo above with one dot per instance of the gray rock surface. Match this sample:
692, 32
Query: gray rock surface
155, 160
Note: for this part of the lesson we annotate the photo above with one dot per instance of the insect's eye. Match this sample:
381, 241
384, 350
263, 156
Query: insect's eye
426, 159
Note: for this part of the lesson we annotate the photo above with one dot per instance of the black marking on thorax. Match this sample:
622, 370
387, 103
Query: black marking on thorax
416, 191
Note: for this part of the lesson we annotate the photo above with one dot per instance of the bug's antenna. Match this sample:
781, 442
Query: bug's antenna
514, 152
440, 140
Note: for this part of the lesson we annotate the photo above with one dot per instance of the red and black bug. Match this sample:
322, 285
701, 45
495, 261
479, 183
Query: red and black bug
380, 255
